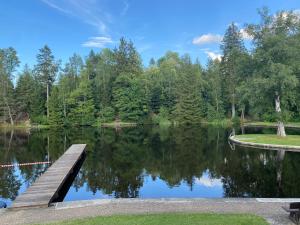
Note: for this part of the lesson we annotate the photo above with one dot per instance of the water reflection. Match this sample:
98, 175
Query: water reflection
152, 162
146, 162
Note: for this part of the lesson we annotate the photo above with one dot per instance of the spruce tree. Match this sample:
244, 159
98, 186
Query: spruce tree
190, 105
233, 49
24, 92
46, 70
56, 115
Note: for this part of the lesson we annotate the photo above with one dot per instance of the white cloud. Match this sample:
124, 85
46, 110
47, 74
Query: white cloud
206, 181
56, 7
97, 42
125, 9
213, 55
245, 35
88, 11
207, 39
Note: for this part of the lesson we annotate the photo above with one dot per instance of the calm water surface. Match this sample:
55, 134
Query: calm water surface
152, 162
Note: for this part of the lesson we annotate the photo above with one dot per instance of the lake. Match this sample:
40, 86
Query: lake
151, 162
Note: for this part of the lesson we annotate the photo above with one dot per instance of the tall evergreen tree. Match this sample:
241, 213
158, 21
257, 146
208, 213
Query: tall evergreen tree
190, 105
46, 70
233, 49
127, 59
24, 92
56, 110
213, 91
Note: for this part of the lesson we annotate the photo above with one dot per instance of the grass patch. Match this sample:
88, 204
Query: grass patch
171, 219
293, 140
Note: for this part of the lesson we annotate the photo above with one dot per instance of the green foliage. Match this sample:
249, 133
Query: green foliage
130, 98
213, 92
39, 119
274, 62
127, 59
81, 105
231, 65
46, 67
190, 105
162, 118
56, 116
8, 63
106, 114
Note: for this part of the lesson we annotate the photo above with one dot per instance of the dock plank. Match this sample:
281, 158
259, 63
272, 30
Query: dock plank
46, 187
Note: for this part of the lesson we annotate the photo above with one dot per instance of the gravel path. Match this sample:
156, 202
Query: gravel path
271, 210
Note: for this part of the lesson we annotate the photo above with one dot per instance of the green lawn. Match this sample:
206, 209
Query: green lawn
270, 139
171, 219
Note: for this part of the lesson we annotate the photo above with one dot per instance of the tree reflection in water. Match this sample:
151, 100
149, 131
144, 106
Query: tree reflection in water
123, 163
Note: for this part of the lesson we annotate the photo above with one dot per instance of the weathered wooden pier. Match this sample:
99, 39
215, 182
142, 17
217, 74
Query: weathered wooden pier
46, 188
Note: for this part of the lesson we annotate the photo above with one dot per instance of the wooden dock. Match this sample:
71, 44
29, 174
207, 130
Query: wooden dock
46, 188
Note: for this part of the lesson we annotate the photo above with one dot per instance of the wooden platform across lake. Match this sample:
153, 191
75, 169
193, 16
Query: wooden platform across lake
42, 192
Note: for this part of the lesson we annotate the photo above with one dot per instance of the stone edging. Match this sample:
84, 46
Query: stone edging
264, 146
270, 125
98, 202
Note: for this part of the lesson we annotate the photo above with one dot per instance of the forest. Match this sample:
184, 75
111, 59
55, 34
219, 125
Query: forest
256, 83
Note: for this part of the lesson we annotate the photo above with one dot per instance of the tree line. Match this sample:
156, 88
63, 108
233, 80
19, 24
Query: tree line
261, 83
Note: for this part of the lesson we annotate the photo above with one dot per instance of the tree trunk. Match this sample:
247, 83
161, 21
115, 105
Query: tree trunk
280, 158
243, 115
232, 110
9, 113
47, 100
65, 108
217, 102
243, 129
281, 129
280, 125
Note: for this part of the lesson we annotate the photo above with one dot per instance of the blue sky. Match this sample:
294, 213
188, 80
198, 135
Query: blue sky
155, 26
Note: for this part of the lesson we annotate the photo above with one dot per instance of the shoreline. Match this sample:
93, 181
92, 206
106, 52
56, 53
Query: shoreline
270, 209
276, 147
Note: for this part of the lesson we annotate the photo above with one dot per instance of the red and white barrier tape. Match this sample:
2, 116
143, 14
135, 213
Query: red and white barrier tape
23, 164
